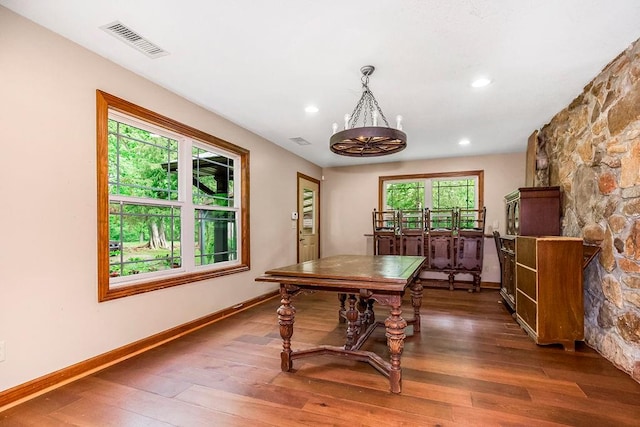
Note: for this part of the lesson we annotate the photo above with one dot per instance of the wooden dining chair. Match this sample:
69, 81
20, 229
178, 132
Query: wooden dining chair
412, 232
385, 233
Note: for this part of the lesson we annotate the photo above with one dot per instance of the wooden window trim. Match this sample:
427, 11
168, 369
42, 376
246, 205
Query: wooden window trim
409, 177
106, 102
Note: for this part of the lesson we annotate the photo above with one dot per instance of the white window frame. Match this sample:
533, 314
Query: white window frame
237, 185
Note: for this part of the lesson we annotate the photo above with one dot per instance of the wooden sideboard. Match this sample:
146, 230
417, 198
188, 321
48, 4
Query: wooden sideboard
549, 301
530, 211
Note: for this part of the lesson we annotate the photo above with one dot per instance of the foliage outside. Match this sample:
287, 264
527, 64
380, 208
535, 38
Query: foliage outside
447, 196
145, 235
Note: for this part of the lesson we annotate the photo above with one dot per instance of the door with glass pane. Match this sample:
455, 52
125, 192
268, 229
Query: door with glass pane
308, 218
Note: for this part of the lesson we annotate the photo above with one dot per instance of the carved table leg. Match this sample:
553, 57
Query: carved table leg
416, 302
363, 320
371, 315
395, 325
286, 317
341, 311
451, 276
476, 282
352, 319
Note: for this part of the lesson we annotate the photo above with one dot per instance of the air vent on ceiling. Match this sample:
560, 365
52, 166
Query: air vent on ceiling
300, 141
133, 39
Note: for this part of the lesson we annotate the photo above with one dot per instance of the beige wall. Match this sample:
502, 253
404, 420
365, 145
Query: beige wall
349, 194
49, 314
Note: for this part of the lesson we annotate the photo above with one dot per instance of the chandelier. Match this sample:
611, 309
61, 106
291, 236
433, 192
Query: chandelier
367, 141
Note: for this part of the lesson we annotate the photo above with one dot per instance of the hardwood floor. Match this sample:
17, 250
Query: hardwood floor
470, 365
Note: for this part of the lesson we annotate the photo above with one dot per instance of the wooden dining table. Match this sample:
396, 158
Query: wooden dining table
359, 281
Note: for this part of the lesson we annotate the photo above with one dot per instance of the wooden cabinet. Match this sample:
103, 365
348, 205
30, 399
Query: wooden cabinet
530, 211
507, 254
533, 211
548, 297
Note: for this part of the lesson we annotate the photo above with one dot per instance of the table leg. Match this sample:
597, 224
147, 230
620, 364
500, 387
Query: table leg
416, 302
341, 311
352, 318
363, 320
286, 315
395, 325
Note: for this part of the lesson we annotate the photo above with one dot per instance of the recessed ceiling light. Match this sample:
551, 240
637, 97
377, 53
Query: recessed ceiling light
464, 142
481, 82
311, 109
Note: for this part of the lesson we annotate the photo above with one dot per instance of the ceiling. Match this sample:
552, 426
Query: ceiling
260, 63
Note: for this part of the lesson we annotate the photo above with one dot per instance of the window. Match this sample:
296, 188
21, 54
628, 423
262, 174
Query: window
435, 191
172, 202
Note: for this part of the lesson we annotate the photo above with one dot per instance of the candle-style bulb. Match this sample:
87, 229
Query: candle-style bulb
374, 118
399, 122
335, 127
346, 121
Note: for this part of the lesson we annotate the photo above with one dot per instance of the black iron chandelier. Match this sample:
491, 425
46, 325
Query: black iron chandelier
367, 141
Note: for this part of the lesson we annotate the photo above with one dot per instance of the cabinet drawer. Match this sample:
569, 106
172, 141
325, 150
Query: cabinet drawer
526, 310
526, 251
526, 281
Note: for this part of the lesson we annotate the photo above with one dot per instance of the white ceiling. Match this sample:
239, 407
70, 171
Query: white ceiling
259, 63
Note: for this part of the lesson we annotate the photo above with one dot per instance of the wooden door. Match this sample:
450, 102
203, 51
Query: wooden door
308, 218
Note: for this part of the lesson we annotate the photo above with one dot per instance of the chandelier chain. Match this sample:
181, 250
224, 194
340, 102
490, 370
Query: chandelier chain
368, 101
375, 101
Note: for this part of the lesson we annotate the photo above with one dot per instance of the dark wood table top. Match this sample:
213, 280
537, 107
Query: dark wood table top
375, 272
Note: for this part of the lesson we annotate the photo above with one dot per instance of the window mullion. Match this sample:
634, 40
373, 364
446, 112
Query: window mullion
185, 174
237, 197
428, 194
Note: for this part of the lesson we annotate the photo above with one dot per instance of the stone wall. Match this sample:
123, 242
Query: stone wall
593, 151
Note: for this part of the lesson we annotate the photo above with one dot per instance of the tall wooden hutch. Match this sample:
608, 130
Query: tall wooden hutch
530, 211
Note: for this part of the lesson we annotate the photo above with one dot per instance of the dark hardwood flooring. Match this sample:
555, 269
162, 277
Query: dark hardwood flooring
470, 365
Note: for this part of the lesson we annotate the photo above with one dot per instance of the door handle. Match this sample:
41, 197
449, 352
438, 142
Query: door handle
301, 240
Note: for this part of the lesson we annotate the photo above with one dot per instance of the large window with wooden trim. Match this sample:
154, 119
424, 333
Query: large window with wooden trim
172, 202
448, 190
